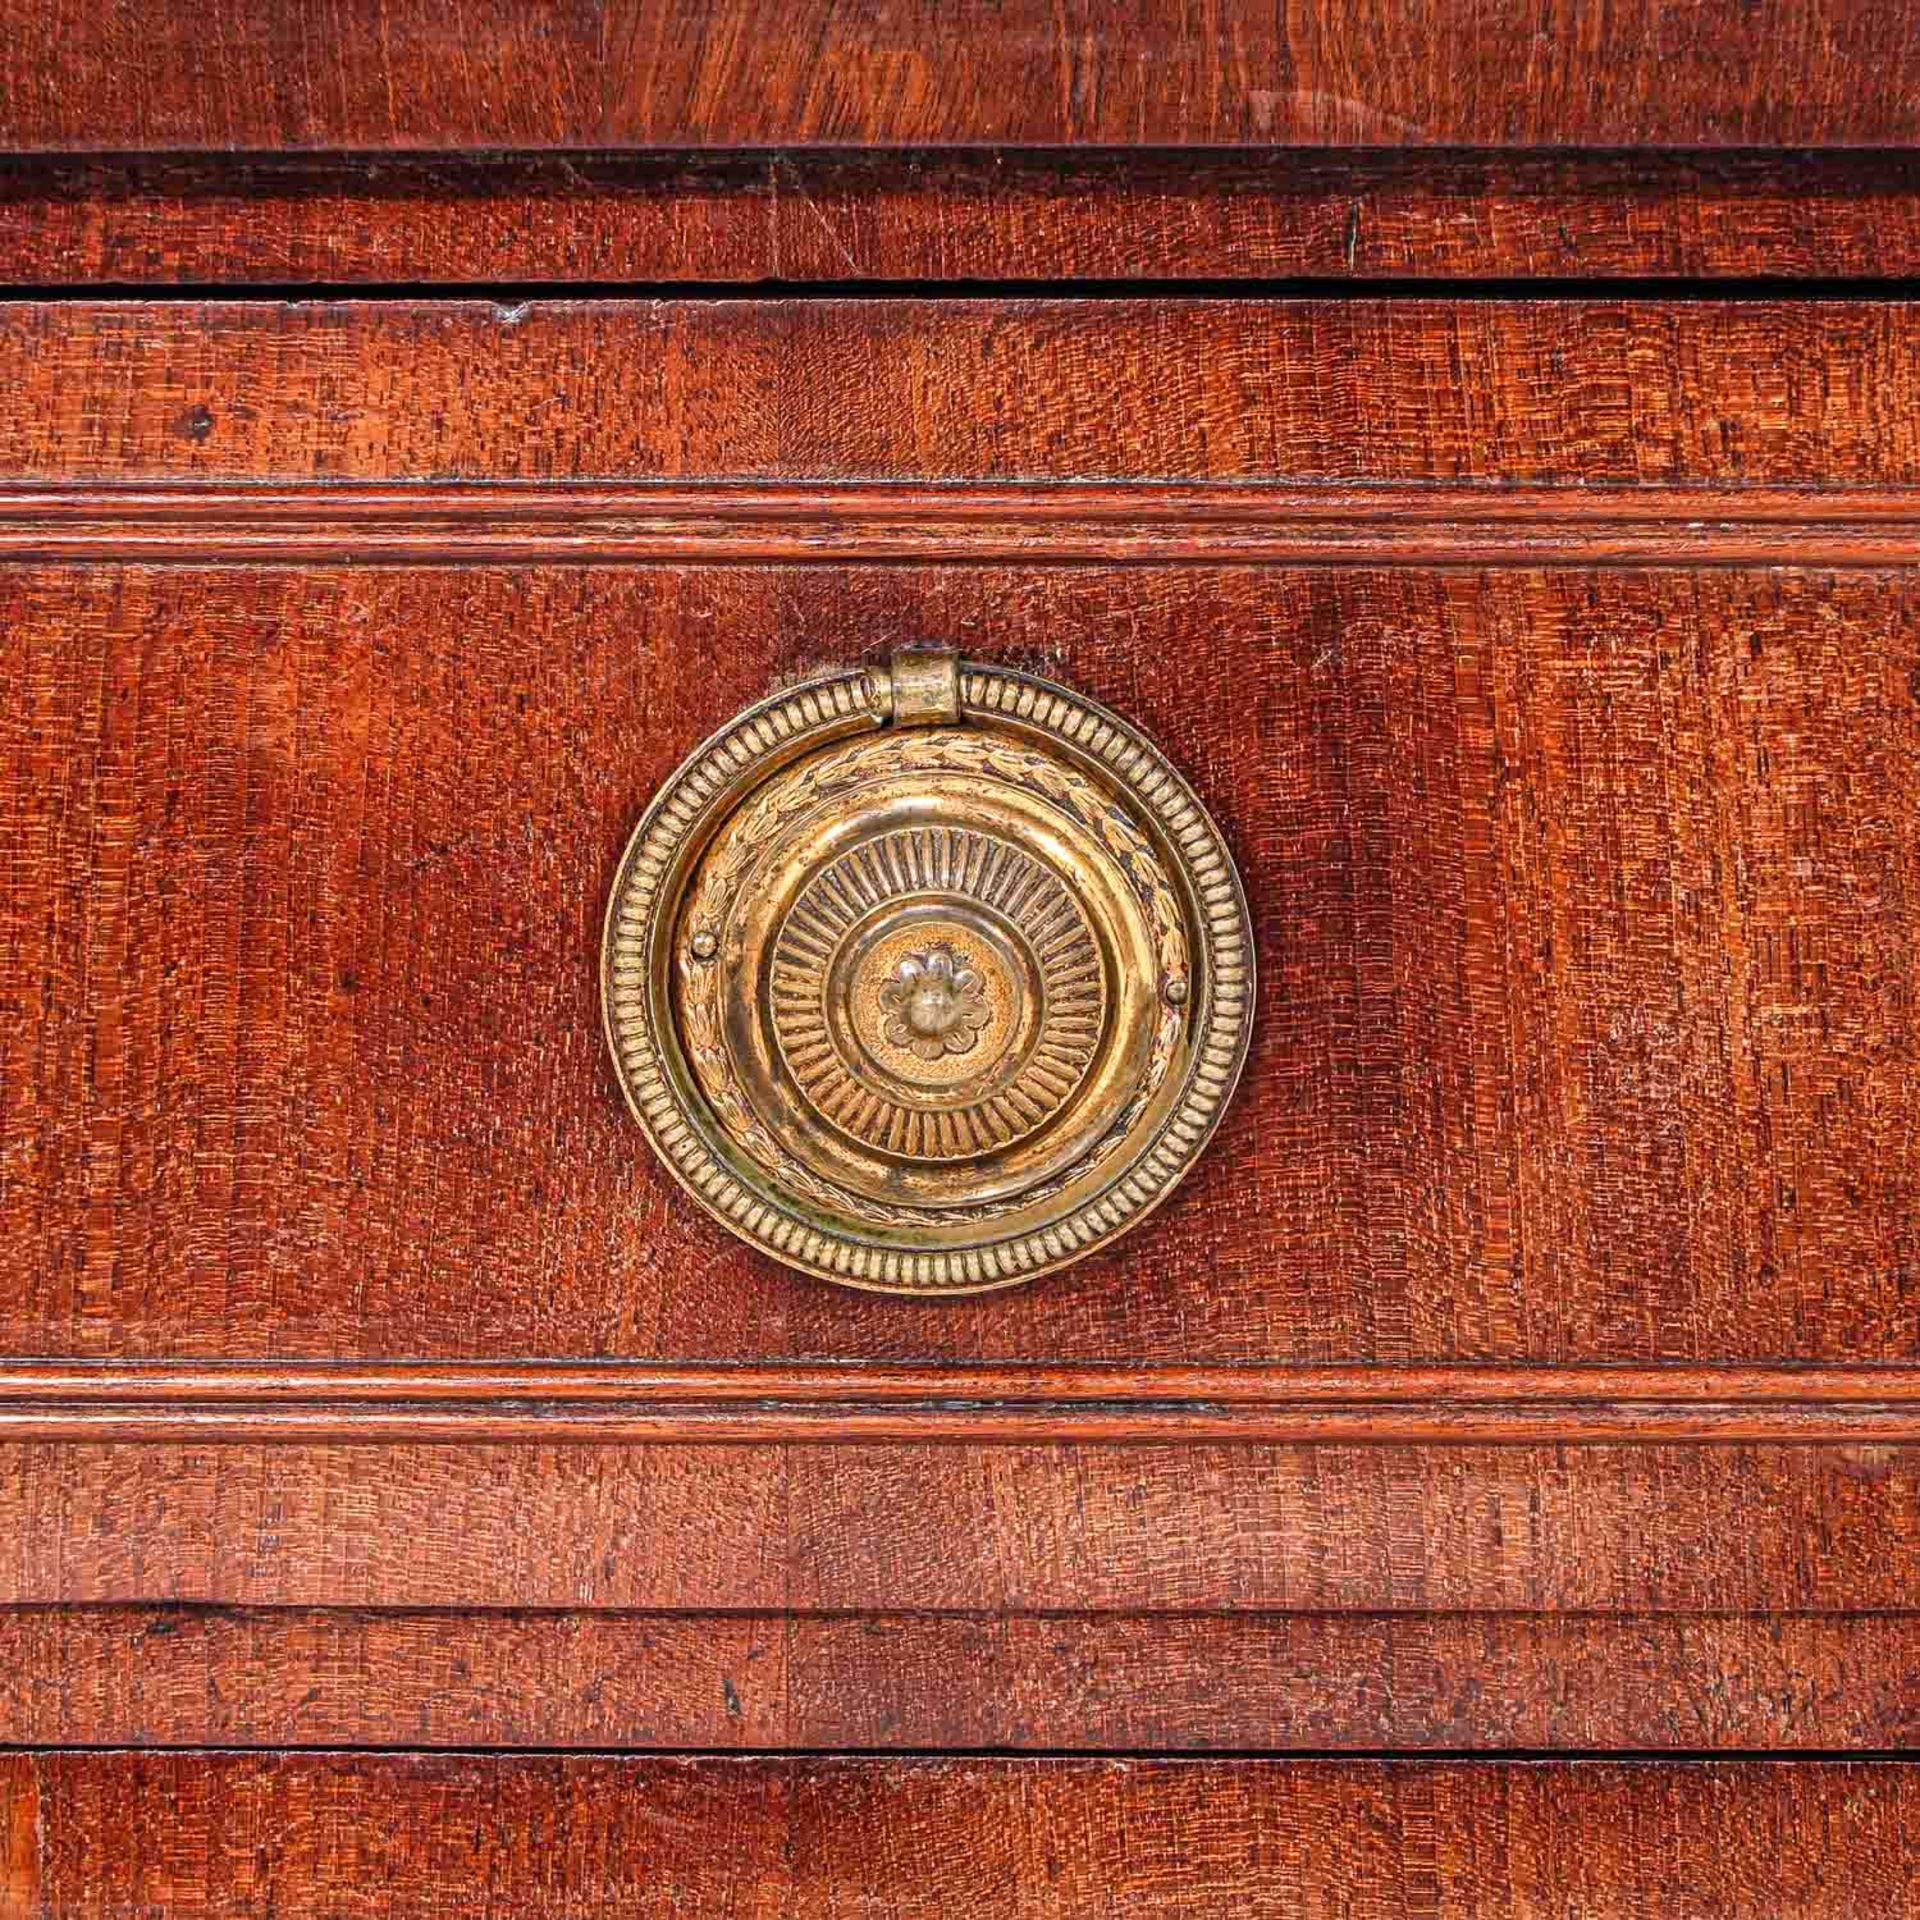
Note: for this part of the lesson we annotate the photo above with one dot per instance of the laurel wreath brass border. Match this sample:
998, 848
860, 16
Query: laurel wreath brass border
1107, 780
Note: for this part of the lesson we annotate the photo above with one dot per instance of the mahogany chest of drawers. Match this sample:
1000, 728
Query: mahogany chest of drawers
1464, 460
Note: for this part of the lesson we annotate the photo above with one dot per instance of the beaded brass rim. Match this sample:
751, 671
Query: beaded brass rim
928, 980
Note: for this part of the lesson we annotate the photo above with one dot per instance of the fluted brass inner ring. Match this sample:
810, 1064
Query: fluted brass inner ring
934, 988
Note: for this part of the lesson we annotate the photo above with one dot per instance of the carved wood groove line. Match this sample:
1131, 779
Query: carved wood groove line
1226, 521
629, 1401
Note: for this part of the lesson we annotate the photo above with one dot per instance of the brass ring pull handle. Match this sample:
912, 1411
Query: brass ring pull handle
929, 979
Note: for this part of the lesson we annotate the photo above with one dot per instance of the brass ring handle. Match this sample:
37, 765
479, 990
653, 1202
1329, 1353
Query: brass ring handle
927, 979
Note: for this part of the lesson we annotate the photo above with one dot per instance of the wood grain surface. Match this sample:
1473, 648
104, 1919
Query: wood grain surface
133, 75
1530, 1370
1169, 1528
194, 1676
821, 217
1584, 890
459, 1836
1589, 1017
1503, 393
1583, 902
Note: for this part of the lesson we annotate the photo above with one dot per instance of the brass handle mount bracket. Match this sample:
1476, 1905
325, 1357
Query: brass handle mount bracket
928, 978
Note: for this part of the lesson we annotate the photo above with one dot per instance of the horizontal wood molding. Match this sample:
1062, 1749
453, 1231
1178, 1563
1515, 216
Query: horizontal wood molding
1016, 1404
772, 521
953, 216
1035, 395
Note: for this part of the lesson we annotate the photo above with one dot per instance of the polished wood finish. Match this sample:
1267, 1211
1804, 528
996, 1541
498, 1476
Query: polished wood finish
1584, 941
1531, 1368
102, 76
1188, 1527
1500, 393
108, 75
1386, 1240
810, 1839
816, 217
190, 1676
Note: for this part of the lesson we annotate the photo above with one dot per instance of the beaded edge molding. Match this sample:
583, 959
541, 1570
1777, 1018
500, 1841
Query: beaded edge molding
774, 731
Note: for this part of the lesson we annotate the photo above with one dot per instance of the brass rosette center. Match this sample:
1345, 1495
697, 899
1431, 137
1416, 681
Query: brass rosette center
930, 982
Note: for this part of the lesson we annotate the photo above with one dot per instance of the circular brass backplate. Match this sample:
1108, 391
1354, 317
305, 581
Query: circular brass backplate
927, 980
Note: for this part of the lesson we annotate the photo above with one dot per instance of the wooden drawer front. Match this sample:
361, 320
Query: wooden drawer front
1584, 905
1547, 1301
1583, 880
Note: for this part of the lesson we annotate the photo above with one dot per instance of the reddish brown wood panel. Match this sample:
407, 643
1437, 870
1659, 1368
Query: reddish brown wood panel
449, 219
195, 1676
947, 216
1645, 393
371, 1837
103, 75
20, 1834
955, 1528
1367, 73
1375, 214
1584, 906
